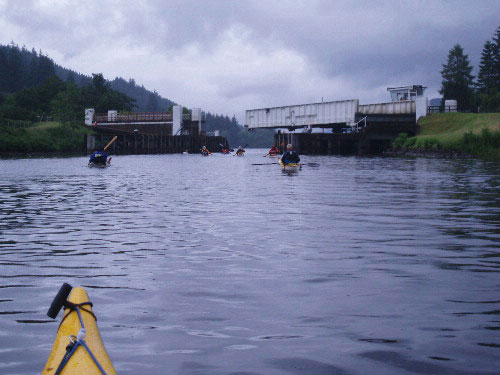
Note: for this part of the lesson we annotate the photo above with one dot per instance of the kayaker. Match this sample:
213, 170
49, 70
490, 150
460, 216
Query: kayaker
98, 157
274, 151
204, 151
290, 155
240, 151
225, 150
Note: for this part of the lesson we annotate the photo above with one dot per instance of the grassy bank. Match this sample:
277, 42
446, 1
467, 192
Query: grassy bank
471, 134
41, 137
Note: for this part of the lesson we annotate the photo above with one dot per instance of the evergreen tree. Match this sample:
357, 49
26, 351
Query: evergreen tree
33, 103
99, 95
67, 105
46, 92
457, 79
152, 105
46, 69
488, 79
496, 52
32, 73
4, 76
70, 78
14, 69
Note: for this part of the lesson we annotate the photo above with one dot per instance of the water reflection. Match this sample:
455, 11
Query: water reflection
227, 265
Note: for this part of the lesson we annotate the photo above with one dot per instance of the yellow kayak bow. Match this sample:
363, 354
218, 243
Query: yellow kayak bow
78, 347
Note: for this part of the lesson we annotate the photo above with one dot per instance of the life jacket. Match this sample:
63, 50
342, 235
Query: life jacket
98, 157
290, 157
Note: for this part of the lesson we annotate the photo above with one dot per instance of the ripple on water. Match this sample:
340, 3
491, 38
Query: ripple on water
299, 365
380, 341
403, 362
241, 347
209, 334
277, 337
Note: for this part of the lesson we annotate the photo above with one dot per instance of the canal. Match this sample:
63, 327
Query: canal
227, 265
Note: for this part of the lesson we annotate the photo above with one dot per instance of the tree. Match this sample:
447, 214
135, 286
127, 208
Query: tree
67, 106
457, 79
488, 79
46, 68
14, 69
70, 77
4, 75
99, 95
152, 104
32, 103
496, 51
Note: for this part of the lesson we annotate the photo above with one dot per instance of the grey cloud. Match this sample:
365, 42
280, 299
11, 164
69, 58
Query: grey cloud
370, 44
238, 90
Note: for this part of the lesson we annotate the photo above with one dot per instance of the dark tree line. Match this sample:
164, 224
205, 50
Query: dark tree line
145, 100
63, 101
20, 68
235, 134
33, 87
458, 82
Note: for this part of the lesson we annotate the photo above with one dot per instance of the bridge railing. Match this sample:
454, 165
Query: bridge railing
392, 108
355, 127
439, 109
133, 117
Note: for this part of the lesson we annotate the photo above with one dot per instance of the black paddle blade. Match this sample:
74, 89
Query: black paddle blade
59, 300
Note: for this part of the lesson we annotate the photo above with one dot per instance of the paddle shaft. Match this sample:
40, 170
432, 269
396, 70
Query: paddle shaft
110, 143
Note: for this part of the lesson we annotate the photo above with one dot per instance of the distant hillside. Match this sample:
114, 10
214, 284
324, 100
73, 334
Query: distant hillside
23, 69
237, 135
145, 100
20, 69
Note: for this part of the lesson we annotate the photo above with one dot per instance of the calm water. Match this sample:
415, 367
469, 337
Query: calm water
226, 265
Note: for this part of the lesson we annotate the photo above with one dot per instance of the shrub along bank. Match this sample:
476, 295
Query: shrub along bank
41, 137
454, 134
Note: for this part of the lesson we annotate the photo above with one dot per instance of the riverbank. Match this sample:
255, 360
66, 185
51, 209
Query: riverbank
41, 138
453, 135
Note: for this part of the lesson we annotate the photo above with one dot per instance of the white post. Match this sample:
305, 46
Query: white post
89, 116
177, 119
420, 107
196, 117
112, 114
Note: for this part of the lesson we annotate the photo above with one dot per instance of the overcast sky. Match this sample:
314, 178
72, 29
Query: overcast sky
229, 56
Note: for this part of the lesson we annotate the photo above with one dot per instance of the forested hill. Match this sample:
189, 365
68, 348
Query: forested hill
20, 68
145, 100
23, 69
236, 134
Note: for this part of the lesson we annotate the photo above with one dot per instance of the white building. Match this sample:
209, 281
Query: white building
406, 92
